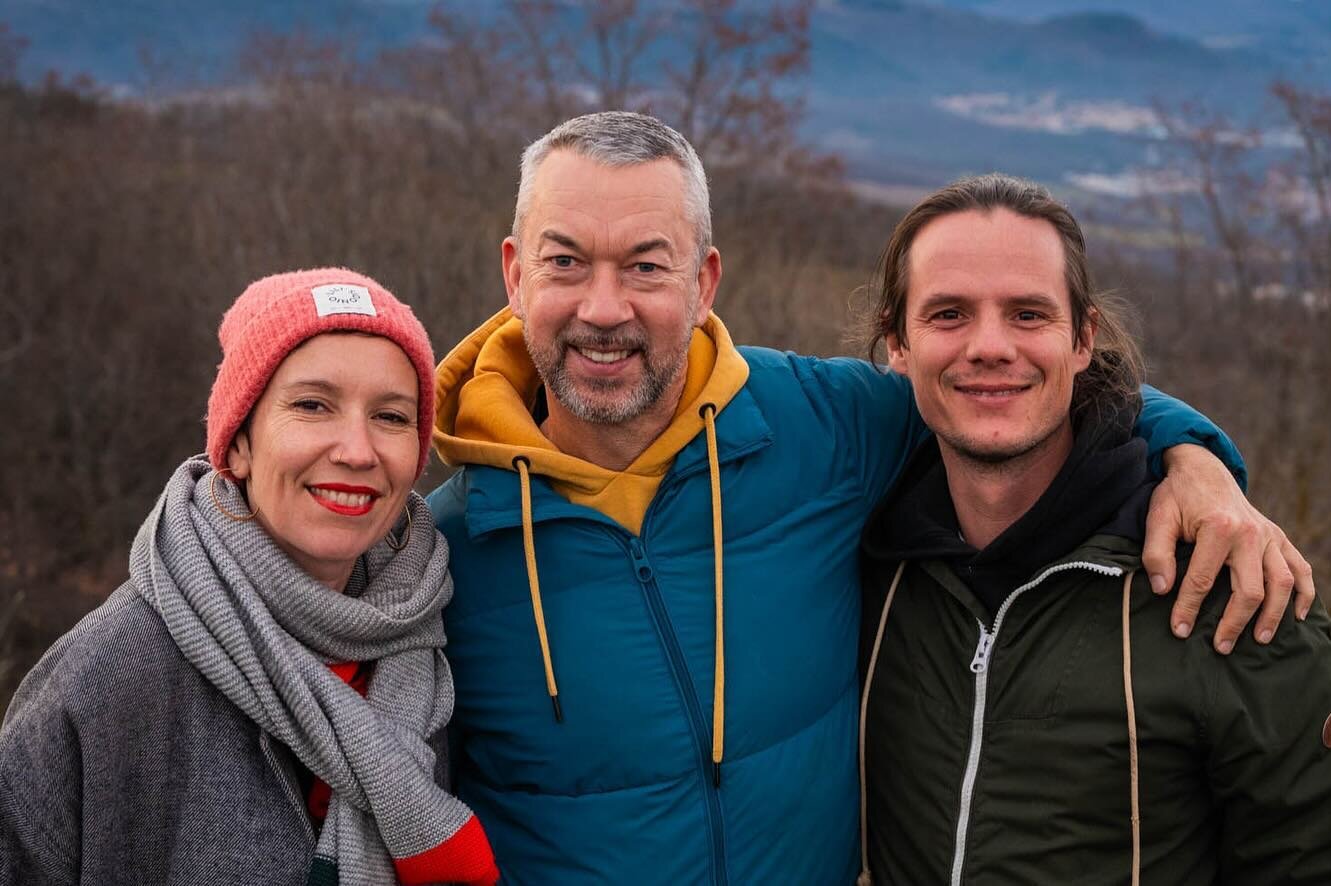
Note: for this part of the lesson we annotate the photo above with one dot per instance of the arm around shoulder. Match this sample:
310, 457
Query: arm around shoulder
1165, 422
880, 425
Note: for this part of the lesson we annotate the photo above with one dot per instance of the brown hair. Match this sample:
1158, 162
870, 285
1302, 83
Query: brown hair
1116, 370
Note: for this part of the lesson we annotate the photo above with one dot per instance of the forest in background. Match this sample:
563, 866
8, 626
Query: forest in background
127, 228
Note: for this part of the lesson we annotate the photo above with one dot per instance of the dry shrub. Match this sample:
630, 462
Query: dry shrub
126, 230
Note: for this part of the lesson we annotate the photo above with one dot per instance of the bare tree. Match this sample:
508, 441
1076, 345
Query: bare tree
1258, 224
728, 95
126, 229
1310, 225
297, 61
621, 31
734, 94
1214, 152
12, 47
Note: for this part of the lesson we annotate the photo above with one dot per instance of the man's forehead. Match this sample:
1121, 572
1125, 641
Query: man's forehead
566, 170
577, 198
988, 232
987, 253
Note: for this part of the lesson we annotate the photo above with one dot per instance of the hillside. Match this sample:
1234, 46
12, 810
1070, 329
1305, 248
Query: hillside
905, 92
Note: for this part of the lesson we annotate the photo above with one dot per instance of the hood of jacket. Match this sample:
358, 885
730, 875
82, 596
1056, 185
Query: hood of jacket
1101, 492
487, 388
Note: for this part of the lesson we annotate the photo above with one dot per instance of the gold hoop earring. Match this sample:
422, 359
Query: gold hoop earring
217, 502
396, 544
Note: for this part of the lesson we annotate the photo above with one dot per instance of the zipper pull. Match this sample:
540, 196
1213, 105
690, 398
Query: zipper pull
982, 651
641, 566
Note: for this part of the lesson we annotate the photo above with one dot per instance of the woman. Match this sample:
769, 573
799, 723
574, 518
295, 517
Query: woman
261, 701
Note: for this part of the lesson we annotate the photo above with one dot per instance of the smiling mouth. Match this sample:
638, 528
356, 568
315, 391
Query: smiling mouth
350, 501
603, 356
992, 391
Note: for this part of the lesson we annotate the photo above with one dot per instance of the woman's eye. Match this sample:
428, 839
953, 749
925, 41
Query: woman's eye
307, 405
396, 418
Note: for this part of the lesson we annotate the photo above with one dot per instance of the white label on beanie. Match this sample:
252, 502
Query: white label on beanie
343, 298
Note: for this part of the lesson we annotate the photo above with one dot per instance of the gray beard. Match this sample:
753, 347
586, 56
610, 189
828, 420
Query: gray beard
551, 365
638, 400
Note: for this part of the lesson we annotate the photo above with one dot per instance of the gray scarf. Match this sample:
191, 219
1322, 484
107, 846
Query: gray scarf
262, 631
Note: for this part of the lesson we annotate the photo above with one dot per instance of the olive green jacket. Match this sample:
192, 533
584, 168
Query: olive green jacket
997, 748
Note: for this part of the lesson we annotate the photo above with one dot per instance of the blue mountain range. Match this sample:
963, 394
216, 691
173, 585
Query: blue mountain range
908, 93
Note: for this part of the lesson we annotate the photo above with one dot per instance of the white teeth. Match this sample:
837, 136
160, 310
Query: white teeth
345, 499
603, 356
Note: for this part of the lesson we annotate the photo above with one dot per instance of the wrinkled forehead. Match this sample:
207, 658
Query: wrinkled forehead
572, 190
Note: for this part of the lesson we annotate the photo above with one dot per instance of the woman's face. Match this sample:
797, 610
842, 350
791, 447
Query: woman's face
329, 452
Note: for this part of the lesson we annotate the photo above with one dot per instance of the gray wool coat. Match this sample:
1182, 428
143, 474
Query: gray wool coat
121, 764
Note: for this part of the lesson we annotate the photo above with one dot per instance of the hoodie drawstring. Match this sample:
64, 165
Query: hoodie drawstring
708, 413
523, 466
865, 878
1132, 734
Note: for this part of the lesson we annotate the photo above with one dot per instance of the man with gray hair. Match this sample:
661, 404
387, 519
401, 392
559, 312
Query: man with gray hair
653, 537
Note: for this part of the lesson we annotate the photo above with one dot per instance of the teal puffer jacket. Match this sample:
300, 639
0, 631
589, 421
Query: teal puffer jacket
622, 789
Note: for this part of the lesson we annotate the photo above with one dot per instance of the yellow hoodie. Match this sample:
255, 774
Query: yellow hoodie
485, 390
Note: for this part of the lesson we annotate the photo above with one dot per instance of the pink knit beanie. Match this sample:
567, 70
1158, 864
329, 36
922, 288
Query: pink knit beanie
275, 315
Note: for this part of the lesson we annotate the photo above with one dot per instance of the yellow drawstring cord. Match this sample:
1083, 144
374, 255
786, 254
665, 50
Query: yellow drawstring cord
865, 878
522, 464
708, 413
1133, 774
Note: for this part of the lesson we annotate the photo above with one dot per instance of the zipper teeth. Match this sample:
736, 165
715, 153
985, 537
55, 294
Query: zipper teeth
693, 708
972, 767
1098, 568
984, 650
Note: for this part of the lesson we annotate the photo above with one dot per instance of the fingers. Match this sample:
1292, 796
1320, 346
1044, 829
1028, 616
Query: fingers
1163, 528
1279, 581
1265, 569
1214, 543
1247, 589
1304, 590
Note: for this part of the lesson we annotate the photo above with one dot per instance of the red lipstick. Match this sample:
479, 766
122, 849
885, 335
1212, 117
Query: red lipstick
346, 510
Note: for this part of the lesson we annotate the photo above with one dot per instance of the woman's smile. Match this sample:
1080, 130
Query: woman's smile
349, 501
336, 426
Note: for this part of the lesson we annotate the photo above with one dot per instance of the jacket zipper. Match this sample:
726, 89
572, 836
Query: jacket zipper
642, 568
984, 649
